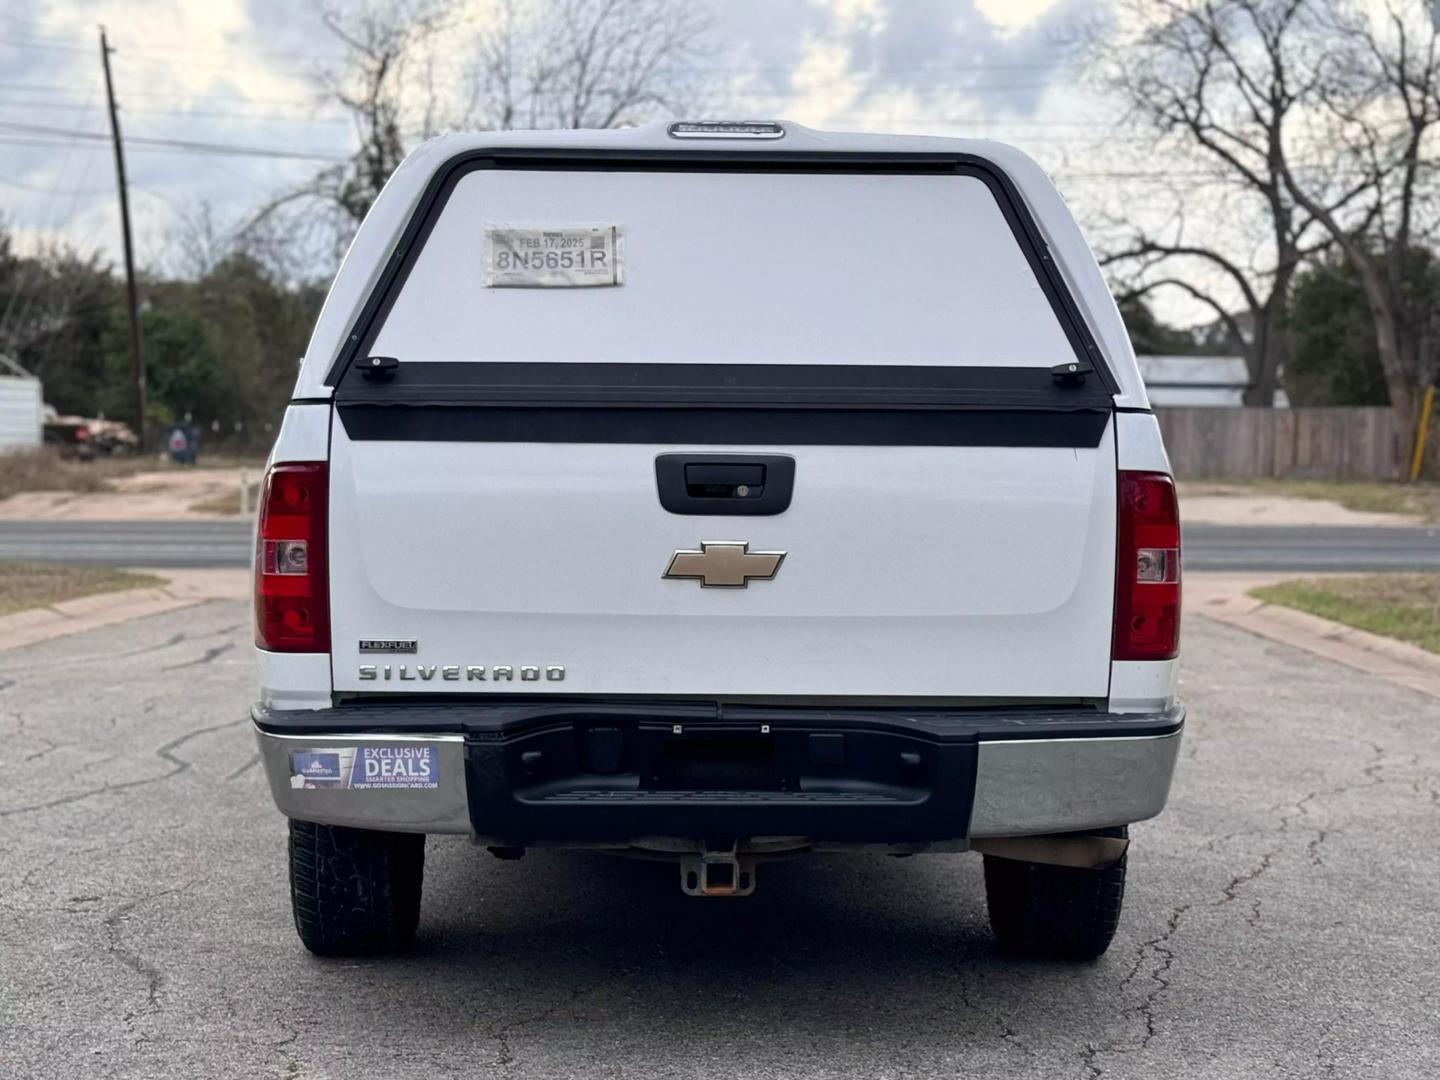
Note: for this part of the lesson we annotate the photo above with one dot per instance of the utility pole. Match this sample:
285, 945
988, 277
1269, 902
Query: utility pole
136, 361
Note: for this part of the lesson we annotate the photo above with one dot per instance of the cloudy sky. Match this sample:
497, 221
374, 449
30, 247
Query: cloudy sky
239, 74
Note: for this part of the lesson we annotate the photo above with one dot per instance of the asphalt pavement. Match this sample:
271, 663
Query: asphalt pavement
1207, 547
1310, 548
1280, 916
129, 543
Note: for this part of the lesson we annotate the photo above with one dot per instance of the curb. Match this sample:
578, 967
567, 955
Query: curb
1224, 598
182, 589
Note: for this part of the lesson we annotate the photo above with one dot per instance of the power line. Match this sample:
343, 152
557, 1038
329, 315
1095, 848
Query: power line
20, 185
1099, 126
35, 140
938, 66
146, 92
753, 96
933, 79
50, 217
228, 148
238, 114
42, 130
44, 142
259, 118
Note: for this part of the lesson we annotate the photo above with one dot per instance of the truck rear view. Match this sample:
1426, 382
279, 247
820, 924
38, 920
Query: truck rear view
718, 492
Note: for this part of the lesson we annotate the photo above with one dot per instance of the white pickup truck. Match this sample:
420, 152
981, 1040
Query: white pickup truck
718, 491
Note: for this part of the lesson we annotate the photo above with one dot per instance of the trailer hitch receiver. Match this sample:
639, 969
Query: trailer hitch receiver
718, 873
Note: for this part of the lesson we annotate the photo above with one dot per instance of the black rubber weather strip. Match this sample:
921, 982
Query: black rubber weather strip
852, 386
724, 427
724, 404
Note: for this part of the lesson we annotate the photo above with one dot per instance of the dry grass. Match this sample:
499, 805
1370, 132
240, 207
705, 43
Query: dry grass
1402, 606
229, 502
44, 470
1421, 499
32, 585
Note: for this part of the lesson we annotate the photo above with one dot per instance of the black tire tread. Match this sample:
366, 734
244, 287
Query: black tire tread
1056, 912
355, 891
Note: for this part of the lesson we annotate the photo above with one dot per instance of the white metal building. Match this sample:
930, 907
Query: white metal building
1198, 381
21, 411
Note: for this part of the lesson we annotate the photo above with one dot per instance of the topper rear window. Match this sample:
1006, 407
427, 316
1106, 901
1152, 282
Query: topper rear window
768, 260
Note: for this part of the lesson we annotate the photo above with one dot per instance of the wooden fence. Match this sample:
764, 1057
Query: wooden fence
1360, 443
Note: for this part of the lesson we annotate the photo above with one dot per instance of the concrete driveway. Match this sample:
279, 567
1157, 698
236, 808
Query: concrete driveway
1281, 918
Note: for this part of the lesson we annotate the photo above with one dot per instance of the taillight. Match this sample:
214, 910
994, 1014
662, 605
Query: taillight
292, 604
1147, 568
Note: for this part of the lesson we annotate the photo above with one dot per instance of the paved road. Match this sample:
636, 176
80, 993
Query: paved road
1281, 916
1333, 548
1208, 547
129, 543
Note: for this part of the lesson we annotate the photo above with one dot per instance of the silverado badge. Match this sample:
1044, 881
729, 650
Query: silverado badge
724, 564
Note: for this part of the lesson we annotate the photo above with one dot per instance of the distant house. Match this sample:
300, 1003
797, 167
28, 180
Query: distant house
1198, 381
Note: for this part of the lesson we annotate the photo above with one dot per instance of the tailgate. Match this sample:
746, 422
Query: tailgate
927, 571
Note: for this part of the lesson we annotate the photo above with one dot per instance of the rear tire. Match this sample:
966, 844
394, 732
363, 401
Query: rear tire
355, 891
1055, 912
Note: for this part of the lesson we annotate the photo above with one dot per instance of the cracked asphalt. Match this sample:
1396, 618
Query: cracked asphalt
1281, 917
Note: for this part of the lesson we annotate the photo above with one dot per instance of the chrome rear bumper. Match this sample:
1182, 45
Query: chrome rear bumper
1022, 786
441, 809
1031, 787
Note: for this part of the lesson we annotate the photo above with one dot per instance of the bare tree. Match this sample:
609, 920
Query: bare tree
196, 241
1221, 83
583, 63
1379, 118
412, 68
384, 43
42, 291
55, 304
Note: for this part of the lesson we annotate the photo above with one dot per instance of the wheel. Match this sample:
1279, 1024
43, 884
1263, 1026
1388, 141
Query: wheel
1057, 912
355, 891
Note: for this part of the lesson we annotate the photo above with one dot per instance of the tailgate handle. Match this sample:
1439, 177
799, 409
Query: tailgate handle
725, 480
754, 484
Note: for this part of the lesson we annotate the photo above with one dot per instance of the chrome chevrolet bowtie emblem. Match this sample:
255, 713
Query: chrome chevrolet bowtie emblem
724, 564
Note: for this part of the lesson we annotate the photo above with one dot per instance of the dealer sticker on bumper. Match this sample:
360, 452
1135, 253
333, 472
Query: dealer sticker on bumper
365, 768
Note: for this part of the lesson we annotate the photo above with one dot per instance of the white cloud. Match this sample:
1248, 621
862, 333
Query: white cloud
218, 71
207, 43
850, 15
1013, 16
238, 71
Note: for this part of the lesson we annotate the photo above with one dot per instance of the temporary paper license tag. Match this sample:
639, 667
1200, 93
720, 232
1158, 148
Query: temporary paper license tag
562, 257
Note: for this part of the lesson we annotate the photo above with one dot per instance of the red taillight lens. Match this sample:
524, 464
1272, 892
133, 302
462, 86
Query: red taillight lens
292, 602
1147, 568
